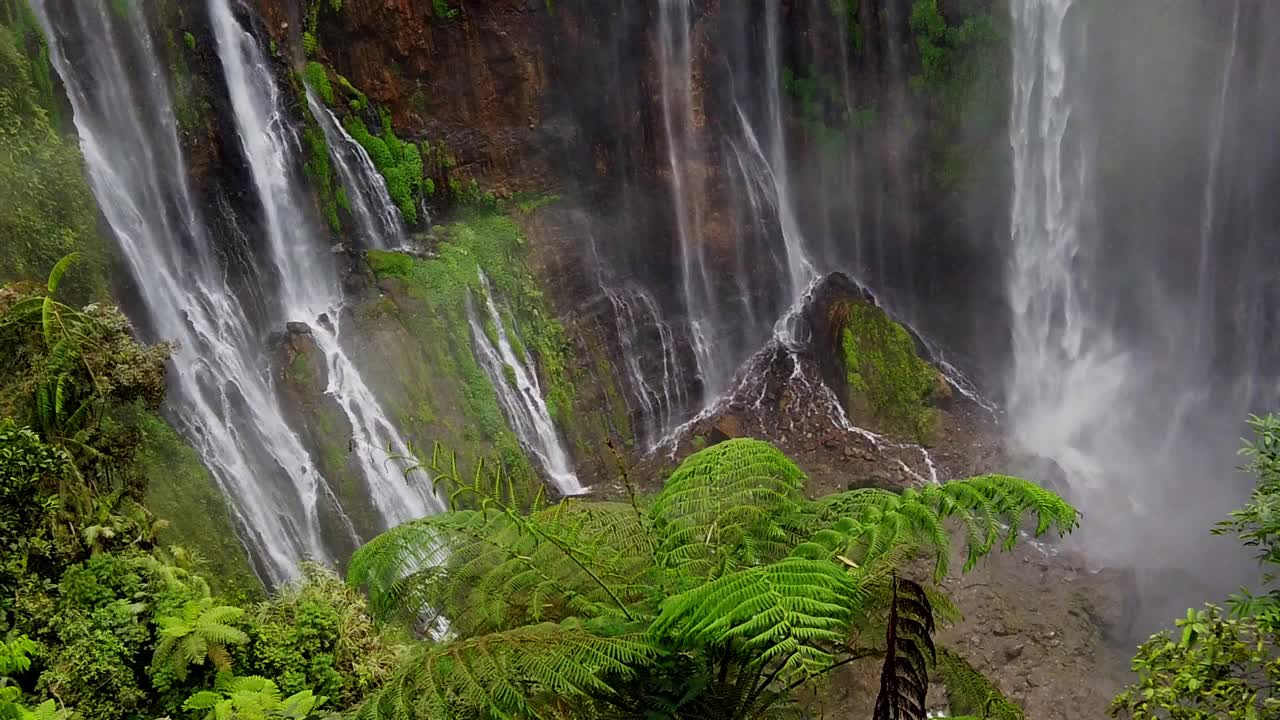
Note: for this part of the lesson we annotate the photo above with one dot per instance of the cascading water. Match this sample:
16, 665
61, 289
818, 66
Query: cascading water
720, 291
379, 220
660, 392
224, 399
676, 67
515, 379
1067, 370
1125, 369
308, 283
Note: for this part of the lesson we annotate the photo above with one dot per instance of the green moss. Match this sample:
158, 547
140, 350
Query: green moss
528, 202
442, 11
400, 163
181, 491
300, 369
488, 241
319, 170
886, 382
386, 263
190, 41
317, 78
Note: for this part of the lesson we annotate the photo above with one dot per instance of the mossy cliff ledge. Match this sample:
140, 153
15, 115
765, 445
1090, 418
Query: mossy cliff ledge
414, 342
873, 363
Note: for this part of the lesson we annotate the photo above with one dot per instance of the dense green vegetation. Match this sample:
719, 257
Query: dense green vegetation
399, 162
963, 61
48, 208
719, 597
1223, 663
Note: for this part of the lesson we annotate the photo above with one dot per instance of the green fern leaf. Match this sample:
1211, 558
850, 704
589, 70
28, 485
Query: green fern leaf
722, 507
781, 612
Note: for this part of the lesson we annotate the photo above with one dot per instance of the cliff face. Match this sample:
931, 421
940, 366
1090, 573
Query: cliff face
578, 100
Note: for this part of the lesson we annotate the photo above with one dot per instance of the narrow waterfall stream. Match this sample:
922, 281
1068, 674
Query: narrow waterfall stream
309, 290
378, 218
515, 378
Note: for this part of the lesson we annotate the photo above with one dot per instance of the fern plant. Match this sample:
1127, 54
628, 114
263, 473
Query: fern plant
202, 632
720, 597
252, 698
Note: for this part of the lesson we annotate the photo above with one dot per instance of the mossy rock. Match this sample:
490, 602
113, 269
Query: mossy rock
873, 364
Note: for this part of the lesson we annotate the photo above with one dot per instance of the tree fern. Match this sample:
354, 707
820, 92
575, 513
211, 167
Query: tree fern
722, 598
724, 506
526, 672
252, 698
203, 631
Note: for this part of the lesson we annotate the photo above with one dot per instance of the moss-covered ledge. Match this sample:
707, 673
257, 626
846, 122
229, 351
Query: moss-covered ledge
873, 364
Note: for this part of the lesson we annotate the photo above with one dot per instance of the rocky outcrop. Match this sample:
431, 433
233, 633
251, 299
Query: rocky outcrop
301, 375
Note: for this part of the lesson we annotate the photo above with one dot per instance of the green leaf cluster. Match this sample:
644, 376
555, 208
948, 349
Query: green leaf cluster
399, 162
1223, 664
48, 210
716, 598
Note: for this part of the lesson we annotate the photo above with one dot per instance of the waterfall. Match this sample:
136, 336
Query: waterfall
768, 267
515, 379
676, 68
308, 283
1067, 370
378, 219
640, 327
223, 397
1115, 373
1205, 289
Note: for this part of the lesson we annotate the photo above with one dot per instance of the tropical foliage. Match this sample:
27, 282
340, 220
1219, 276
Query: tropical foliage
717, 598
1223, 664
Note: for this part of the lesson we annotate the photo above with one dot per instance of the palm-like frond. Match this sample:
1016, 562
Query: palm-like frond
490, 570
202, 631
252, 698
785, 611
527, 672
904, 680
723, 507
873, 521
969, 692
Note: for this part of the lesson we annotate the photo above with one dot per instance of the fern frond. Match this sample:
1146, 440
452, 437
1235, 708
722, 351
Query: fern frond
722, 507
904, 679
873, 520
489, 570
969, 692
515, 673
783, 612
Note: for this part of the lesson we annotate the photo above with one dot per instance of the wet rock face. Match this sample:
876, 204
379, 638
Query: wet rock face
872, 363
302, 377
